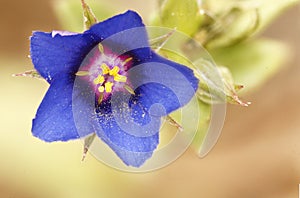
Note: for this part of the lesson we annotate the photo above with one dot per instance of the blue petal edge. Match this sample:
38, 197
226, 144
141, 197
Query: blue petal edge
54, 118
163, 82
123, 130
54, 55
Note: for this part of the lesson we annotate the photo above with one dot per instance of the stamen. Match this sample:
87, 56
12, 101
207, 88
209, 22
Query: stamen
105, 68
101, 48
99, 80
100, 99
82, 73
120, 78
109, 76
114, 71
127, 60
108, 87
129, 89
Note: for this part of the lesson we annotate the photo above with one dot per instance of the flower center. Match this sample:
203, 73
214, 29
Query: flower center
108, 78
106, 72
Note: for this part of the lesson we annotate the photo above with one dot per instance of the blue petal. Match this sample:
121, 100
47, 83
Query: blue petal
162, 86
123, 33
117, 126
130, 158
133, 158
56, 54
54, 119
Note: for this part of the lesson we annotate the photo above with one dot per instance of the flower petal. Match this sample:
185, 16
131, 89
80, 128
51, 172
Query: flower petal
129, 157
165, 84
54, 119
123, 33
129, 130
135, 159
53, 53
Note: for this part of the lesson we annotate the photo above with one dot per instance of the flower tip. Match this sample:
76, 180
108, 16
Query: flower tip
31, 73
245, 104
133, 13
20, 74
87, 143
89, 17
85, 150
174, 123
240, 102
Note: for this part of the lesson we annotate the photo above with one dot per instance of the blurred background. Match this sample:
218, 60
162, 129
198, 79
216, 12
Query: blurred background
257, 155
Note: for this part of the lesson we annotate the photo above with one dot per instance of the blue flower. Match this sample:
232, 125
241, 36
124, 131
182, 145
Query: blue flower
108, 81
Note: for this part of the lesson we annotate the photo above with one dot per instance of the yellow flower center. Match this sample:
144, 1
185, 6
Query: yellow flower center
107, 86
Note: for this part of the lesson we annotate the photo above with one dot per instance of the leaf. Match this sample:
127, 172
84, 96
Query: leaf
89, 17
211, 88
253, 63
216, 84
231, 88
87, 143
30, 73
158, 42
201, 143
182, 15
205, 112
69, 13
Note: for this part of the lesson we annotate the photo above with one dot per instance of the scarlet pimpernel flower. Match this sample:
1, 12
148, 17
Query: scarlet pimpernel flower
108, 81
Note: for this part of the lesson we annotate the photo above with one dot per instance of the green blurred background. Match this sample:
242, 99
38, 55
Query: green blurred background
257, 155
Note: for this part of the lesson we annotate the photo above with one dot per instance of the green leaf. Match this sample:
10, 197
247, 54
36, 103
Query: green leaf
158, 42
89, 17
69, 13
231, 88
216, 84
182, 15
204, 122
253, 63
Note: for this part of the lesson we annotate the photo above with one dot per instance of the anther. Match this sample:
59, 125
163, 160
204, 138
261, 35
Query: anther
120, 78
129, 89
108, 87
82, 73
99, 80
105, 68
114, 71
